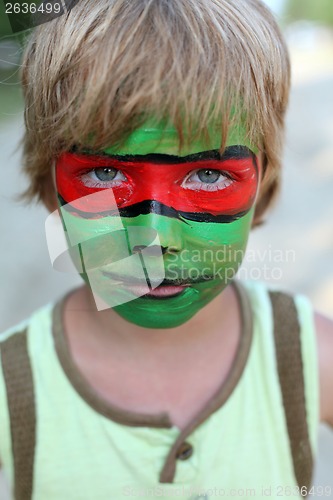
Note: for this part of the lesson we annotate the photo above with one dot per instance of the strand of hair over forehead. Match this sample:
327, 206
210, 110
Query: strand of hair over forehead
112, 63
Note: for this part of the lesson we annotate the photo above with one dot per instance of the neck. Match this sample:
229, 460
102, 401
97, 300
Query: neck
105, 331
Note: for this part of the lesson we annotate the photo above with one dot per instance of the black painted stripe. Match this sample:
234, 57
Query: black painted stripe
236, 152
154, 207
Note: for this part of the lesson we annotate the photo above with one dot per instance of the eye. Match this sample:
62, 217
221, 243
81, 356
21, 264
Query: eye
208, 176
103, 177
207, 179
105, 174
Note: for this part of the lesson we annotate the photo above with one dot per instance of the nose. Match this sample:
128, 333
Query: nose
169, 232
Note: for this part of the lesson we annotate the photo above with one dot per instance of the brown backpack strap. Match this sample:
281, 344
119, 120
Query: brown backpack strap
290, 369
21, 403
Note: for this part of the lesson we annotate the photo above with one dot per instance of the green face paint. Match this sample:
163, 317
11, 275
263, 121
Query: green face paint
159, 138
156, 231
210, 258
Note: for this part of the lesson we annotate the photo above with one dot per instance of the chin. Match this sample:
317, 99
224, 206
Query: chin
153, 319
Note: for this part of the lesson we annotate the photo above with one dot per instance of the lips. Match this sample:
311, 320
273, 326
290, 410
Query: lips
160, 292
167, 289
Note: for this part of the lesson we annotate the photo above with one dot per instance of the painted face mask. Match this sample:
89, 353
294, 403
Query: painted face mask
158, 232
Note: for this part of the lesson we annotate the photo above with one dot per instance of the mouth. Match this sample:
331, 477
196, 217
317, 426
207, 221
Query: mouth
164, 292
167, 289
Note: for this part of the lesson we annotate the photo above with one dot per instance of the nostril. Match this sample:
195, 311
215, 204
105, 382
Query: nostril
172, 250
153, 250
138, 248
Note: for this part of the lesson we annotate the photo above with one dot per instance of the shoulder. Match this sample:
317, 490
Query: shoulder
32, 327
324, 336
317, 342
20, 346
265, 317
29, 343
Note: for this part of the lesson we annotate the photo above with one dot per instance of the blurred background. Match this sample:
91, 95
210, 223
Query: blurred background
292, 251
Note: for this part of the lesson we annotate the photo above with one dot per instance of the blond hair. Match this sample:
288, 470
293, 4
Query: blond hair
105, 67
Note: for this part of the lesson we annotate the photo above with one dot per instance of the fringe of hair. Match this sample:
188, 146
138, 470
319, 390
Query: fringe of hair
100, 71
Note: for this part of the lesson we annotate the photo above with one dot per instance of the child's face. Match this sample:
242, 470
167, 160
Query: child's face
161, 231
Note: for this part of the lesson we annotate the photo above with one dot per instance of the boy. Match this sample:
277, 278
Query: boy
155, 127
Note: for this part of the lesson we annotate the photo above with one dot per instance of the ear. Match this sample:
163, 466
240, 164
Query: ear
49, 193
260, 164
51, 202
257, 221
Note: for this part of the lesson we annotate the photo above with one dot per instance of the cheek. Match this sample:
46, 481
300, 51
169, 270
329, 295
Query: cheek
94, 243
214, 249
214, 235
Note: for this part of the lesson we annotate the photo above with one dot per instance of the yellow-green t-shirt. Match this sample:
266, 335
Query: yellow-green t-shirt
88, 449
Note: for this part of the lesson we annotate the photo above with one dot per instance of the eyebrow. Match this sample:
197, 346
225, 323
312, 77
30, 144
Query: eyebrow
236, 152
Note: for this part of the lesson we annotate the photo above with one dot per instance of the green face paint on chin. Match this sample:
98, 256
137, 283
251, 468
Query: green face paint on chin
211, 257
206, 254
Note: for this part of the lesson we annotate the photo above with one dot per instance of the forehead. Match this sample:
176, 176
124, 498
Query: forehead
160, 138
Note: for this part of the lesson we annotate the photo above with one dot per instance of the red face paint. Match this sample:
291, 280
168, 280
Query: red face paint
164, 183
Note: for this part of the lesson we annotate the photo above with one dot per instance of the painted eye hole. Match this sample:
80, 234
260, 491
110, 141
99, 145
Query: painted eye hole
208, 176
105, 174
103, 178
207, 179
